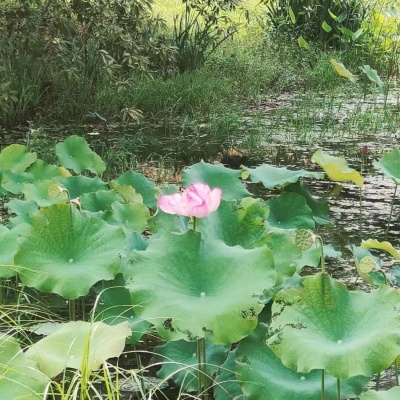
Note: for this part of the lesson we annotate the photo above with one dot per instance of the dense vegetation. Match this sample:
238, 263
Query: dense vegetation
130, 59
114, 283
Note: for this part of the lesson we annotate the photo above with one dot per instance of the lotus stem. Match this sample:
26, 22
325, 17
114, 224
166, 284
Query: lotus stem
378, 380
391, 212
1, 291
338, 388
323, 385
194, 224
71, 308
321, 249
360, 217
396, 371
201, 369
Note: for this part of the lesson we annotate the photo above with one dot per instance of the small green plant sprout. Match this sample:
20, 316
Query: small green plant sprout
389, 164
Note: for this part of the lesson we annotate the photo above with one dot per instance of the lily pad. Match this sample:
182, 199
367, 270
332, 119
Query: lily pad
141, 185
389, 164
16, 158
272, 177
372, 75
40, 193
343, 71
387, 246
132, 216
74, 153
320, 209
337, 169
324, 325
79, 344
20, 377
99, 201
179, 362
227, 386
9, 246
22, 209
78, 185
114, 306
189, 288
67, 253
216, 176
391, 394
290, 211
236, 223
263, 376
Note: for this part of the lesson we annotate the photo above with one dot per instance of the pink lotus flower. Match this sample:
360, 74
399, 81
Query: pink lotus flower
197, 200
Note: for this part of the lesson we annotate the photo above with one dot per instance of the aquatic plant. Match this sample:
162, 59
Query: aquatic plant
225, 294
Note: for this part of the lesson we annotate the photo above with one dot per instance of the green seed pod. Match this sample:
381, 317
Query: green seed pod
366, 265
304, 239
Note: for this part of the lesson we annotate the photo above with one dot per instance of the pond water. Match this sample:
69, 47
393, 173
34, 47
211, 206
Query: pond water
284, 131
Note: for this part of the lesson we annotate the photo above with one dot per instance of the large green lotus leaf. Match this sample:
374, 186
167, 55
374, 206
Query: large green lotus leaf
285, 253
236, 224
142, 185
389, 164
375, 244
319, 209
312, 256
67, 252
391, 394
42, 171
168, 222
337, 169
78, 185
16, 158
290, 211
325, 326
9, 246
263, 376
271, 176
189, 288
101, 200
132, 216
14, 182
22, 209
127, 192
74, 153
179, 362
79, 343
40, 193
20, 377
114, 306
226, 386
216, 176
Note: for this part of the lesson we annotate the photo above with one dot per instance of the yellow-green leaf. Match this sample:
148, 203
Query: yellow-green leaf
387, 246
343, 71
337, 169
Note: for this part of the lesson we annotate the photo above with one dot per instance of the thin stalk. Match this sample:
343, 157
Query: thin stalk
201, 369
140, 367
338, 388
360, 217
321, 249
1, 291
194, 223
71, 309
391, 212
396, 371
323, 385
378, 381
